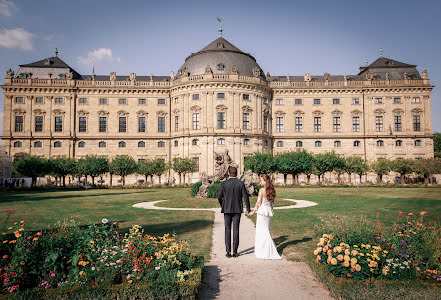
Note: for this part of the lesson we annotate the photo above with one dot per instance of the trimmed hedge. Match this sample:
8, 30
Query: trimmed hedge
195, 188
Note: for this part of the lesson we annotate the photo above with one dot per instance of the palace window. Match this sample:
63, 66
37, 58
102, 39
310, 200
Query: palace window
356, 143
161, 124
246, 142
195, 142
418, 143
142, 101
265, 100
337, 143
299, 144
121, 144
102, 144
336, 101
397, 100
176, 123
279, 101
195, 96
38, 144
103, 124
83, 100
397, 123
279, 144
141, 124
103, 100
298, 101
415, 99
59, 100
57, 144
196, 161
58, 124
19, 100
221, 120
317, 124
18, 123
416, 123
245, 97
82, 124
265, 123
220, 95
380, 143
196, 121
246, 120
379, 123
279, 124
299, 124
81, 144
378, 100
161, 144
122, 101
318, 144
39, 100
176, 143
355, 124
398, 143
355, 101
141, 144
18, 144
122, 124
316, 101
161, 101
221, 141
176, 100
265, 143
337, 126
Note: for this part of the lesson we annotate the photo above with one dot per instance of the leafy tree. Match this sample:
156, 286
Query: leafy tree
159, 167
381, 166
123, 165
338, 164
282, 162
427, 167
62, 166
326, 162
261, 163
96, 166
183, 166
146, 168
352, 165
402, 166
31, 166
437, 144
361, 168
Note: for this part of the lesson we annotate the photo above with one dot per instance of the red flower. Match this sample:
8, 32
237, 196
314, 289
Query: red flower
400, 213
12, 274
10, 211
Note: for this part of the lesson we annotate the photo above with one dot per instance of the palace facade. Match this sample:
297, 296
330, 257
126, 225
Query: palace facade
219, 99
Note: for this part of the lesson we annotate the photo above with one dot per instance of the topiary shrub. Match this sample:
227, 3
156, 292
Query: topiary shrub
213, 190
195, 188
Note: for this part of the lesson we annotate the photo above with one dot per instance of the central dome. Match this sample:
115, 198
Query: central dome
220, 56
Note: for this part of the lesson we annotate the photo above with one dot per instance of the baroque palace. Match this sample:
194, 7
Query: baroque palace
219, 99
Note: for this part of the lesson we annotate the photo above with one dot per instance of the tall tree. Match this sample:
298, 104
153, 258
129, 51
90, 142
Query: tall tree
62, 166
282, 164
123, 165
96, 166
261, 163
437, 144
402, 166
159, 167
427, 167
381, 166
353, 163
146, 168
183, 166
325, 162
31, 166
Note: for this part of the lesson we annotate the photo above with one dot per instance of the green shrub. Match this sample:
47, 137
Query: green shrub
195, 188
213, 189
257, 187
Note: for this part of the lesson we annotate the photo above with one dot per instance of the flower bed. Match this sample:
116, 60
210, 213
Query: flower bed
97, 260
363, 249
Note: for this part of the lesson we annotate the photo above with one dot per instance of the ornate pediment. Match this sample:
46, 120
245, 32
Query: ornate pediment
142, 113
417, 111
161, 113
247, 109
337, 112
299, 113
83, 112
39, 112
103, 113
317, 113
176, 111
221, 107
19, 111
122, 113
195, 108
279, 113
398, 111
356, 112
58, 112
379, 111
266, 111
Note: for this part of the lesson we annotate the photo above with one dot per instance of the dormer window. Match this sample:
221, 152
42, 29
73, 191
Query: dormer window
390, 63
220, 67
220, 45
47, 62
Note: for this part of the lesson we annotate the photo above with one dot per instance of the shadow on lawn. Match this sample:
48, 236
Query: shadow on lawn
210, 283
281, 242
26, 196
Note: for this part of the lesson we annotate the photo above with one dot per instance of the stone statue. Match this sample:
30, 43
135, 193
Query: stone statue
288, 78
387, 75
234, 69
268, 76
172, 75
425, 75
345, 77
69, 75
208, 70
248, 180
9, 74
405, 75
132, 76
307, 77
256, 72
93, 76
368, 75
151, 77
222, 162
203, 189
112, 76
326, 76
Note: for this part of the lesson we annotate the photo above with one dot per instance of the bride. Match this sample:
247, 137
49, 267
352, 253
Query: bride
264, 244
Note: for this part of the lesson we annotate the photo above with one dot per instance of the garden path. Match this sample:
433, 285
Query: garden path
247, 277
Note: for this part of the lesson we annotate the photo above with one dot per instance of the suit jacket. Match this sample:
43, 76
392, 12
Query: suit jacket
231, 195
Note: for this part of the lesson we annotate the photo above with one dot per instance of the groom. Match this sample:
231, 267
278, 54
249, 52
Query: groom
231, 194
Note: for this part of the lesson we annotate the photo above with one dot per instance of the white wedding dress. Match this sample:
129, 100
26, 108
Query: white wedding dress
264, 245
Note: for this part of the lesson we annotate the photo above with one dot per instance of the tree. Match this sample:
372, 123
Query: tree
381, 166
146, 168
437, 144
361, 168
183, 166
326, 162
159, 167
338, 165
352, 165
96, 166
31, 166
427, 167
402, 166
282, 162
123, 165
261, 163
62, 166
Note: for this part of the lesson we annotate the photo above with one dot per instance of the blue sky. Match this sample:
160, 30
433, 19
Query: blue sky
292, 37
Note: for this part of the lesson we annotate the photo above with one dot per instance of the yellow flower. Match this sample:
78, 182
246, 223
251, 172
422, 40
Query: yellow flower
353, 260
347, 252
81, 272
318, 258
333, 261
92, 242
384, 271
354, 252
329, 259
385, 252
346, 264
346, 258
410, 214
130, 281
340, 257
329, 253
35, 239
17, 235
357, 268
373, 264
5, 241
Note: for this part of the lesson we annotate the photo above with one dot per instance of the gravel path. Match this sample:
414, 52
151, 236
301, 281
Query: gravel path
247, 277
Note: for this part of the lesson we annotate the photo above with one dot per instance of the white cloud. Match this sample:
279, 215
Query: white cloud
101, 54
16, 38
6, 7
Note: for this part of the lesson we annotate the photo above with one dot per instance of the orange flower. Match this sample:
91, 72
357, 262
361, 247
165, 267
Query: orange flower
12, 242
340, 257
17, 235
35, 239
5, 241
4, 233
349, 274
423, 213
410, 214
22, 263
5, 256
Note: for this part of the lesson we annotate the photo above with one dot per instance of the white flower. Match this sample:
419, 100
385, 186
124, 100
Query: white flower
104, 221
93, 268
157, 268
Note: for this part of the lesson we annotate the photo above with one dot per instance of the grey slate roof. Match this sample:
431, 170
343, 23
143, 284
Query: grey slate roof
51, 62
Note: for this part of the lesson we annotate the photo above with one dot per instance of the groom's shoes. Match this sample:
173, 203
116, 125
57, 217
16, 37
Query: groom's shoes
228, 255
235, 255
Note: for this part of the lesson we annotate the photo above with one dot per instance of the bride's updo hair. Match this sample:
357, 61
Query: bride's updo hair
269, 188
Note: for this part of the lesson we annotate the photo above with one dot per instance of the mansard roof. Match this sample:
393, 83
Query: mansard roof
51, 62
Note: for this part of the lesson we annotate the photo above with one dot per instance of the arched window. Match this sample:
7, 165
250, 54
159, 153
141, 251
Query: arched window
221, 141
161, 144
102, 144
17, 144
318, 143
265, 142
81, 144
57, 144
418, 143
246, 142
380, 143
38, 144
195, 142
299, 144
337, 144
122, 144
279, 144
398, 143
356, 143
141, 144
176, 143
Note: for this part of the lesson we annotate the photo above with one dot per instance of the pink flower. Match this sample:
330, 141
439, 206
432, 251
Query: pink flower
378, 214
52, 274
10, 211
400, 213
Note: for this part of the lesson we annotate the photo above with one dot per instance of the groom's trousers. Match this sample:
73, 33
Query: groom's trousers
235, 219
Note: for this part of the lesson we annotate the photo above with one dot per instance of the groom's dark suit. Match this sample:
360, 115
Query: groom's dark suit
231, 195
